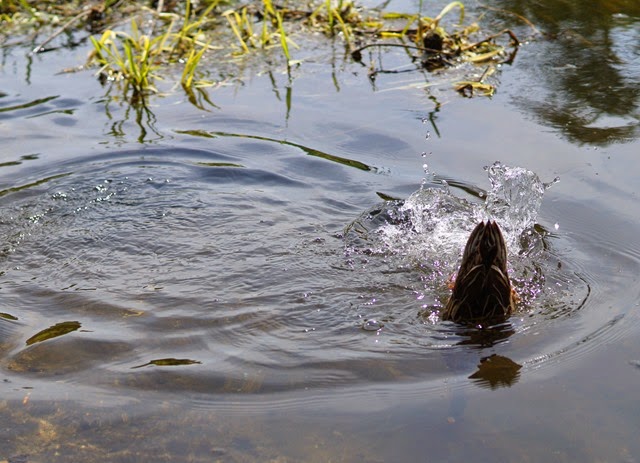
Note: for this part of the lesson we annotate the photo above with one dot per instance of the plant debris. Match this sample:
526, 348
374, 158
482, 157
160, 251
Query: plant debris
132, 42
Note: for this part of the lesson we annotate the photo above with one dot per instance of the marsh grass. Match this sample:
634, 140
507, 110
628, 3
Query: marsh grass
340, 17
135, 57
128, 56
270, 20
181, 34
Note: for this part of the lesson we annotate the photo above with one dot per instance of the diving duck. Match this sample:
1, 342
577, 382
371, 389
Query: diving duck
482, 290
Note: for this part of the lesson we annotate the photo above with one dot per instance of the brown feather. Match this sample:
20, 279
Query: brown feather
482, 290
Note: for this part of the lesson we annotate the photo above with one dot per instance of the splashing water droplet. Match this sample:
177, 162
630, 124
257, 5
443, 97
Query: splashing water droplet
428, 232
514, 199
435, 222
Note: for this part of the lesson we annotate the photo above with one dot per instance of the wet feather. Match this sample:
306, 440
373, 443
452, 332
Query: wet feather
482, 290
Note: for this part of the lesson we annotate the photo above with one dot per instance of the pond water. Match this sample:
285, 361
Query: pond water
226, 283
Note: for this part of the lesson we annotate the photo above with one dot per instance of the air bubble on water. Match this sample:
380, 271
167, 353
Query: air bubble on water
372, 325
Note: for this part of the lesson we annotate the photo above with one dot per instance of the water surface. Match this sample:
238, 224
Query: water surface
189, 285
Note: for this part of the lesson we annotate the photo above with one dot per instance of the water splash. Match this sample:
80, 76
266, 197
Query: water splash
435, 222
515, 198
431, 227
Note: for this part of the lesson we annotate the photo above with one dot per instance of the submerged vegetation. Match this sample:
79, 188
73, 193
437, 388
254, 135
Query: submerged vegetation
136, 43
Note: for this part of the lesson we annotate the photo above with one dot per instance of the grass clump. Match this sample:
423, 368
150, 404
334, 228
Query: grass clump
136, 50
136, 57
342, 16
265, 17
129, 56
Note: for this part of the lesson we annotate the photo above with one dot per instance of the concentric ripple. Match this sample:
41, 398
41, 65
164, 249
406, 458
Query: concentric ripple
207, 273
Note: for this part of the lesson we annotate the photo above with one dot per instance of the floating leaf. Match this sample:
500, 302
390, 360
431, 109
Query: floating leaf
219, 164
480, 57
386, 197
169, 362
54, 331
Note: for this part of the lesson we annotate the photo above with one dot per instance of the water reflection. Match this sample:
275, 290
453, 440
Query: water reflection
198, 97
485, 336
136, 110
590, 66
27, 107
496, 371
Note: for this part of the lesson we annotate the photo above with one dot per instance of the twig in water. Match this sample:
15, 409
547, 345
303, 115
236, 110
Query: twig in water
515, 40
357, 53
40, 48
520, 17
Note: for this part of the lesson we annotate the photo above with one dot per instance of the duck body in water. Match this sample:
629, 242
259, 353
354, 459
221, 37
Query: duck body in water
482, 290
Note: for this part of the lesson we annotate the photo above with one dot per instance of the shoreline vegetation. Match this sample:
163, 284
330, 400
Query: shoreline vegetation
137, 43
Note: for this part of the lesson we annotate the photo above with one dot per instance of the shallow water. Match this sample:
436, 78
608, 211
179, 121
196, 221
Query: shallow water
188, 285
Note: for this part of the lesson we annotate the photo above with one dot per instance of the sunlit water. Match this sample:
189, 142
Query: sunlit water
198, 271
199, 262
234, 280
